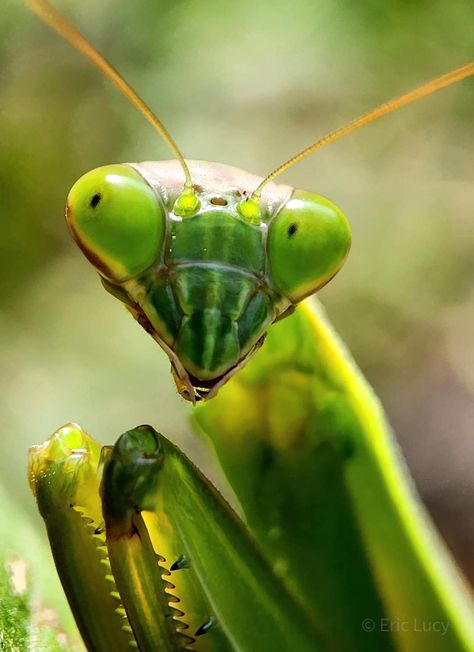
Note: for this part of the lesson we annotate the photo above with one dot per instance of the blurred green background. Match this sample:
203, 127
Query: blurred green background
247, 83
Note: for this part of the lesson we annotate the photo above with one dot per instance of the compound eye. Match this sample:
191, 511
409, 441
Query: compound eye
308, 242
117, 220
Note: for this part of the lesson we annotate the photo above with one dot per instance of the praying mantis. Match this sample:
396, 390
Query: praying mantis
334, 549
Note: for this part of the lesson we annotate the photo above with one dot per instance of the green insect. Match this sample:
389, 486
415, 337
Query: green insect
205, 280
333, 543
208, 263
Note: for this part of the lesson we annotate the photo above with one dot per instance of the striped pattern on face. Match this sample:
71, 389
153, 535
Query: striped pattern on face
210, 315
219, 236
208, 299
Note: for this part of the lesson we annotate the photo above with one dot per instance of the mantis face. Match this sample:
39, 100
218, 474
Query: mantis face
205, 278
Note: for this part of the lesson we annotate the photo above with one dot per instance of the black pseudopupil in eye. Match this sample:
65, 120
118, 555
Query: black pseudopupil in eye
95, 200
292, 229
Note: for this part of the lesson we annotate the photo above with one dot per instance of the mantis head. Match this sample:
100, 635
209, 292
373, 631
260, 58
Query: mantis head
207, 278
205, 273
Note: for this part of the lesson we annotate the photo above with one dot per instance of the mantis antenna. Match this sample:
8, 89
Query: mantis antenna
64, 28
432, 86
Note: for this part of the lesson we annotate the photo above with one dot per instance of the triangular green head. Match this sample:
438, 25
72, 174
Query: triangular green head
203, 276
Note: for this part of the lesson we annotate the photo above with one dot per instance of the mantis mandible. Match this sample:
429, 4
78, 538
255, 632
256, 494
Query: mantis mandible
208, 259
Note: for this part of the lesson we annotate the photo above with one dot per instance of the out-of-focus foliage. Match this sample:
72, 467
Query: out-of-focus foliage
14, 612
32, 605
24, 624
245, 83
